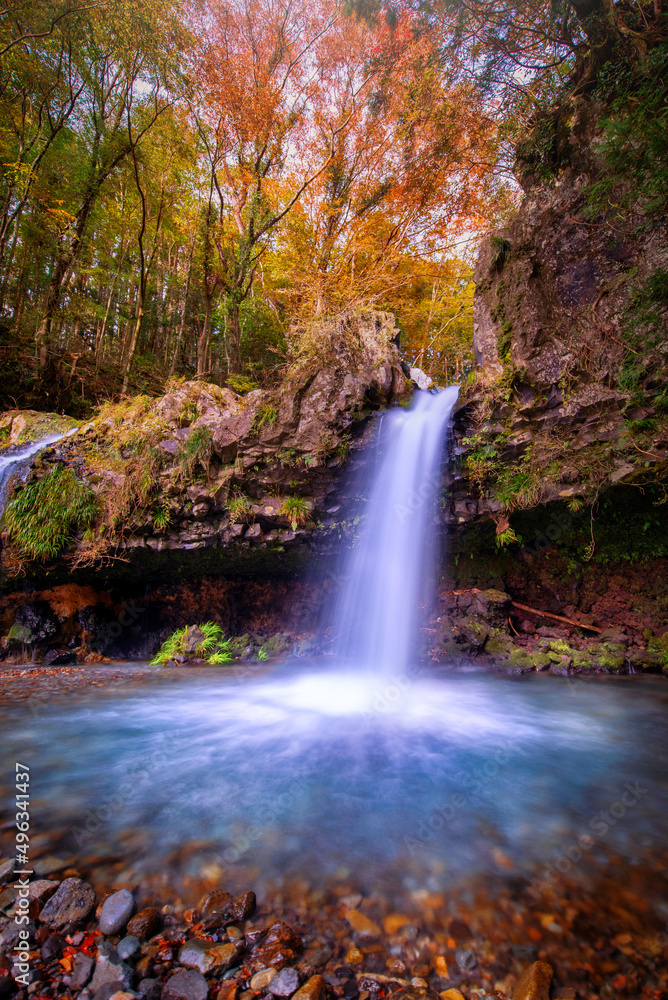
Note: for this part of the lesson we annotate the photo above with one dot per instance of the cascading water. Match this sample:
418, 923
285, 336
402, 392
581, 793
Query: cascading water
389, 575
19, 459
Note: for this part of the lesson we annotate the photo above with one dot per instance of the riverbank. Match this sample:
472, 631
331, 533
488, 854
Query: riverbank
580, 937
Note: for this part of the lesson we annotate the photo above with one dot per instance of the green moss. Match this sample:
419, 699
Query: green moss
195, 452
41, 519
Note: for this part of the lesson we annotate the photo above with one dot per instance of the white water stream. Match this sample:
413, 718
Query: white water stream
388, 579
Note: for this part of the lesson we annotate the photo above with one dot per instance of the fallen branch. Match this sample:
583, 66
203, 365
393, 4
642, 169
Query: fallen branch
556, 618
650, 453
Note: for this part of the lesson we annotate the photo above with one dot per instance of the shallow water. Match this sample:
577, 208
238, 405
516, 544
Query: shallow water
318, 769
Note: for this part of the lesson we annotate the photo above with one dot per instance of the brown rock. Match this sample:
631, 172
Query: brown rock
534, 983
313, 989
243, 906
228, 990
215, 907
281, 946
146, 923
72, 903
415, 993
362, 924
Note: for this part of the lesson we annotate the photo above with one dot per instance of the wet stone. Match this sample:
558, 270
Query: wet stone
107, 990
128, 947
285, 983
215, 907
188, 985
262, 979
281, 946
146, 923
150, 988
243, 906
534, 983
313, 989
72, 903
53, 948
116, 911
206, 957
110, 968
82, 970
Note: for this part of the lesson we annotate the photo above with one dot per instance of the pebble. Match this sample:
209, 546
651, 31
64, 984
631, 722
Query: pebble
215, 907
72, 903
128, 947
146, 923
107, 990
7, 870
110, 968
393, 922
228, 991
53, 948
451, 995
262, 978
243, 906
362, 924
82, 970
204, 956
150, 988
313, 989
534, 983
116, 911
285, 983
281, 946
188, 985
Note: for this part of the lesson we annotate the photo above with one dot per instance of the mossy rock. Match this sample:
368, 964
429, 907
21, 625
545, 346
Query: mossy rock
277, 645
20, 635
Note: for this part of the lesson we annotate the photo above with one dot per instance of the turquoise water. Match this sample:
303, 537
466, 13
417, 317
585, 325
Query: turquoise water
318, 769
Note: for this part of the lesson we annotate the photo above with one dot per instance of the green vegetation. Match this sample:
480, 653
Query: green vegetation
43, 516
634, 143
200, 642
239, 507
195, 452
266, 416
297, 510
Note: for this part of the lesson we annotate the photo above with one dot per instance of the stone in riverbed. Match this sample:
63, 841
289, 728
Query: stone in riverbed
72, 903
243, 906
215, 907
204, 956
128, 947
534, 983
451, 995
281, 945
285, 983
262, 979
53, 948
313, 989
116, 911
362, 924
82, 970
106, 991
146, 923
110, 968
150, 988
189, 985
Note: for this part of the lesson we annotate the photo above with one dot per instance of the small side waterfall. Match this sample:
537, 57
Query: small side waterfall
389, 575
18, 459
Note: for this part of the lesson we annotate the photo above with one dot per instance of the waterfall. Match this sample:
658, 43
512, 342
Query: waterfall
389, 575
19, 458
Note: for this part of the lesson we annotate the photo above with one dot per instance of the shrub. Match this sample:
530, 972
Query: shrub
40, 520
239, 507
195, 451
297, 510
214, 648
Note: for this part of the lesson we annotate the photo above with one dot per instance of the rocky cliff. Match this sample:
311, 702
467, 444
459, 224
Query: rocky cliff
558, 496
202, 484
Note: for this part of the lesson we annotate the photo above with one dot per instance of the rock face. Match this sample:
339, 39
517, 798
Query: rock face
573, 370
202, 482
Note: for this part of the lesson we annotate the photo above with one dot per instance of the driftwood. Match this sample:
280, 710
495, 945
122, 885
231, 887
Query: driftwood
533, 611
556, 618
